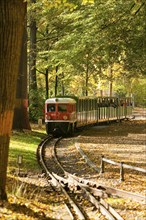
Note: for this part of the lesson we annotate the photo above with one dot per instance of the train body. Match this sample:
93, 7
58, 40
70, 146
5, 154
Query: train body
64, 114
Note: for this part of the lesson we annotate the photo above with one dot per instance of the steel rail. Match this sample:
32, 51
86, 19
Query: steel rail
88, 188
92, 165
84, 156
55, 182
71, 183
100, 204
68, 209
108, 190
112, 191
103, 207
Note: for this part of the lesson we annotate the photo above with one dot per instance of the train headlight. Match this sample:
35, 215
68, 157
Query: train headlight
49, 117
65, 117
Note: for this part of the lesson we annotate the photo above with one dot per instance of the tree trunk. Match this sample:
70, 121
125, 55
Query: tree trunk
33, 93
110, 88
110, 81
56, 82
56, 85
32, 58
87, 76
62, 85
12, 15
21, 119
47, 83
47, 70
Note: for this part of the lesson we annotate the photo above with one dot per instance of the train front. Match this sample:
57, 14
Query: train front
60, 116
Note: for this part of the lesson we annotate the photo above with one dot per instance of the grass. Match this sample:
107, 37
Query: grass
27, 198
24, 144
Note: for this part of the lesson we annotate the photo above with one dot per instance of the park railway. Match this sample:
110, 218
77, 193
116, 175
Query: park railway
68, 185
65, 114
74, 187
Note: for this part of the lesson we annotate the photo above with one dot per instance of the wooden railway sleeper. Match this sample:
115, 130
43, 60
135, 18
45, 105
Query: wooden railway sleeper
112, 191
75, 185
55, 182
72, 203
100, 204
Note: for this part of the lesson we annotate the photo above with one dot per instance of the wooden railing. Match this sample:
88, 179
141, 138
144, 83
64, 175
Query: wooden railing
121, 165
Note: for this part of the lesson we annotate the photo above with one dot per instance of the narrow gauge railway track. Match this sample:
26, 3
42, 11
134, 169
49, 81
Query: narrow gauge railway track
74, 187
50, 143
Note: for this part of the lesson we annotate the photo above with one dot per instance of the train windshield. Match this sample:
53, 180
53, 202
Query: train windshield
51, 108
62, 108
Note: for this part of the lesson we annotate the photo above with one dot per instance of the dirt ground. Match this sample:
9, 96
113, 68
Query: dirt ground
119, 142
124, 142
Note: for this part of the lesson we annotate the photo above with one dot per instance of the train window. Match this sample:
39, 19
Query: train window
51, 108
71, 108
74, 108
79, 105
62, 108
86, 105
89, 105
82, 105
83, 108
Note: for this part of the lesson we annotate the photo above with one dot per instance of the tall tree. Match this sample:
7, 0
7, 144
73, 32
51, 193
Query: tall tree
33, 100
21, 119
12, 16
32, 59
111, 32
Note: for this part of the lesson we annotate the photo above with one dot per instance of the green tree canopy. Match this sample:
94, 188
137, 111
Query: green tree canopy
83, 38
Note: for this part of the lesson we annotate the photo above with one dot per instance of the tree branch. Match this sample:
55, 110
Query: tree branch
41, 72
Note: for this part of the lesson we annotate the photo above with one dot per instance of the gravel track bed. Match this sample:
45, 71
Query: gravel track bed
50, 160
71, 159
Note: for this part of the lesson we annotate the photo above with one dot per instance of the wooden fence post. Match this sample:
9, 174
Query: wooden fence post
102, 164
40, 123
121, 172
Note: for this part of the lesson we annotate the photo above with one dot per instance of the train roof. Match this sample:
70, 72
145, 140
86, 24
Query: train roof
75, 99
61, 100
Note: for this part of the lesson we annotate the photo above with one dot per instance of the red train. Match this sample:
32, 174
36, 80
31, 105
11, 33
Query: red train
64, 114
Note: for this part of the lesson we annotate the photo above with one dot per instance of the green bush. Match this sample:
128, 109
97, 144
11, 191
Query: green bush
36, 105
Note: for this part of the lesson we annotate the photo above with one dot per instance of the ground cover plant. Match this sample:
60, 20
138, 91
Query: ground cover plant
26, 195
25, 144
